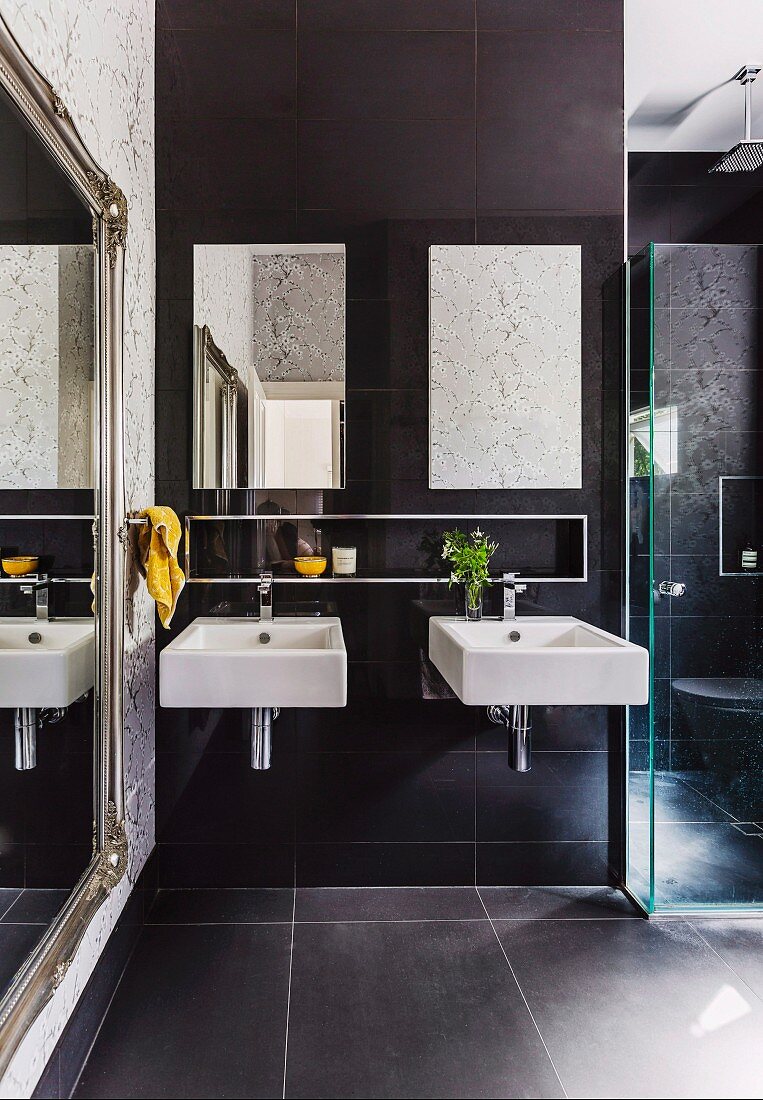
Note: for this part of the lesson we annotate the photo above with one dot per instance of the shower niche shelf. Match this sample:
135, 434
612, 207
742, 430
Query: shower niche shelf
740, 506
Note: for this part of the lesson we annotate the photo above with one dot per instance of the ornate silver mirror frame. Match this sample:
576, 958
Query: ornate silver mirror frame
48, 117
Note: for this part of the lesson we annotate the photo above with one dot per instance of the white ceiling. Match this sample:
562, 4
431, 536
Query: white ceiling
680, 57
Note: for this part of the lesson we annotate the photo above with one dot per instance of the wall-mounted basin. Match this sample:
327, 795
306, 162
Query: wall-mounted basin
546, 660
45, 663
286, 662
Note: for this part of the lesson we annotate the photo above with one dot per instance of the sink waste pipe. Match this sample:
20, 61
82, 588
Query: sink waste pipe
518, 721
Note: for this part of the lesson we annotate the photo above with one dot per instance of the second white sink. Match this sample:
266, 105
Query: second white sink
45, 663
545, 660
287, 662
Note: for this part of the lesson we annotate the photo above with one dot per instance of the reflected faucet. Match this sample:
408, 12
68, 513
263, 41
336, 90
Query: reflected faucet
41, 592
510, 590
265, 588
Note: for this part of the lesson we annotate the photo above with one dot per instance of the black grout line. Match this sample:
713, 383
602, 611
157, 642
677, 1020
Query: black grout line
522, 995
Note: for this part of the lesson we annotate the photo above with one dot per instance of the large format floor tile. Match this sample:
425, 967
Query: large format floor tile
16, 942
740, 944
8, 895
200, 1012
424, 1009
35, 906
631, 1008
555, 902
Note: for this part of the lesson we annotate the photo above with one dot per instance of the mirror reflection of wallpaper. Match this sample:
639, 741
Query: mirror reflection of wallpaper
76, 366
504, 401
46, 365
222, 300
299, 315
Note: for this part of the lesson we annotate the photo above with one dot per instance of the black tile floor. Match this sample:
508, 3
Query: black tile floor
24, 916
431, 992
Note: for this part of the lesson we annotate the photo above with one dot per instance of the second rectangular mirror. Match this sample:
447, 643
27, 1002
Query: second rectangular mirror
269, 366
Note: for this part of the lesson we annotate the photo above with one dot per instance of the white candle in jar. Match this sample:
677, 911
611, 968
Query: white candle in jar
344, 560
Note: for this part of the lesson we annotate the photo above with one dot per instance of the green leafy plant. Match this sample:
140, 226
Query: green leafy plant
469, 557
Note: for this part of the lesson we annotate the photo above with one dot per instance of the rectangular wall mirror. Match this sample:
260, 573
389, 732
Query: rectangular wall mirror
504, 367
269, 366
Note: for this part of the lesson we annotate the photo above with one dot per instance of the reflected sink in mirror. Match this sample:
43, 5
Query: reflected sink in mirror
546, 660
45, 663
285, 662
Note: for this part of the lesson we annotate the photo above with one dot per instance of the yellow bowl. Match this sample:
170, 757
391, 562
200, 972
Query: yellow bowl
20, 566
310, 566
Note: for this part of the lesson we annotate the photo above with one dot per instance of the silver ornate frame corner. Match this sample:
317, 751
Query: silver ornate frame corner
208, 356
46, 114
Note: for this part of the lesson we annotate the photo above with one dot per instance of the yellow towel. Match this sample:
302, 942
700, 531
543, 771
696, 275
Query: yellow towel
158, 542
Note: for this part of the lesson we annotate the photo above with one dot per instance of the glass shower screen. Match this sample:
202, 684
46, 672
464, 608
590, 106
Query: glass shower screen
694, 575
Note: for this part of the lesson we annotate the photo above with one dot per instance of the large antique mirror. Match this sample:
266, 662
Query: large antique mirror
269, 366
63, 224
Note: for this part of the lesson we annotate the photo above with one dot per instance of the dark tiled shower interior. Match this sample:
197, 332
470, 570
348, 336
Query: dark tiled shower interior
708, 688
390, 127
428, 992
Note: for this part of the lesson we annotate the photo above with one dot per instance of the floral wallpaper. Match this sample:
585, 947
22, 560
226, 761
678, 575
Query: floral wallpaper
505, 367
299, 316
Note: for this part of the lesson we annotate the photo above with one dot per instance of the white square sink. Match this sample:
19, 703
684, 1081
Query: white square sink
288, 662
51, 672
554, 660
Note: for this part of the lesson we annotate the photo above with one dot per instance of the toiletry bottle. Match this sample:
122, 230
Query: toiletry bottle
749, 557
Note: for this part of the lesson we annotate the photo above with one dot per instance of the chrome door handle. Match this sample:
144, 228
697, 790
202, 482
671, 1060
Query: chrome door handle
672, 588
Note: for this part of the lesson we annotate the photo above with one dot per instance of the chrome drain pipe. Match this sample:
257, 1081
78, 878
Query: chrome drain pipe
262, 731
518, 721
25, 729
26, 725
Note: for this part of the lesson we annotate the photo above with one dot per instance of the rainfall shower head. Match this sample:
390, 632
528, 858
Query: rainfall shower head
744, 157
747, 155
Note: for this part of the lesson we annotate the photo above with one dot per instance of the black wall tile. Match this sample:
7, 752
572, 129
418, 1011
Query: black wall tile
379, 151
386, 14
258, 155
398, 167
576, 863
516, 15
517, 111
236, 15
385, 864
373, 74
254, 75
406, 797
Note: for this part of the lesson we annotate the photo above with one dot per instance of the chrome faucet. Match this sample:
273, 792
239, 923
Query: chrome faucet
41, 592
265, 588
510, 590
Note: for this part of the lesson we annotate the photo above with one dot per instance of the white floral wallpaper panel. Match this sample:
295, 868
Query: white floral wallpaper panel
505, 367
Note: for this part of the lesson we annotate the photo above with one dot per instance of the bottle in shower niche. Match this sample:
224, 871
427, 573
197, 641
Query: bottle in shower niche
749, 557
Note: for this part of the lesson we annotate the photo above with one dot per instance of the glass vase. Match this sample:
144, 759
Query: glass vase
473, 604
